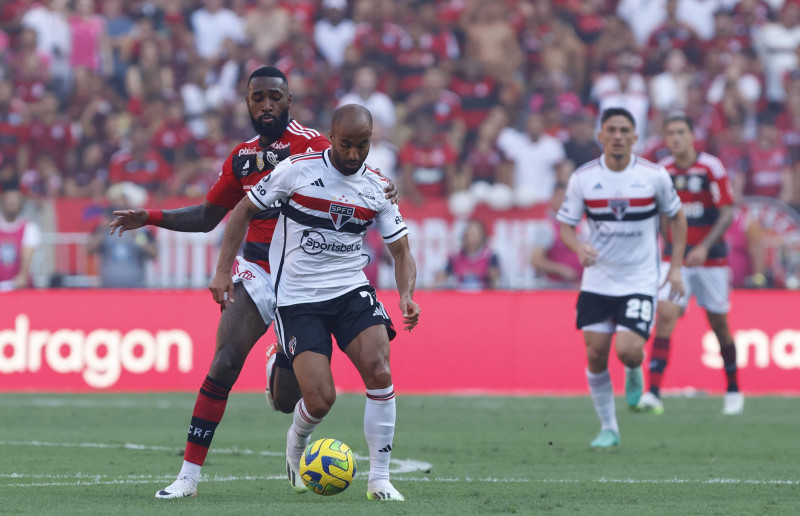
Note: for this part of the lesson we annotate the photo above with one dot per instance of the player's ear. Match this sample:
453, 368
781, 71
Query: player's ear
288, 99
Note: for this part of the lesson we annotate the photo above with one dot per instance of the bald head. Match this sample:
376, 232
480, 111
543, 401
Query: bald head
351, 117
351, 129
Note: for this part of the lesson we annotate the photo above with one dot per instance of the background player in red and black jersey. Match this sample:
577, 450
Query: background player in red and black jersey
244, 322
707, 196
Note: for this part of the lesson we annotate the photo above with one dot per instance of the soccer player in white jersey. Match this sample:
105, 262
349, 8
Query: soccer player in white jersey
622, 196
321, 290
703, 186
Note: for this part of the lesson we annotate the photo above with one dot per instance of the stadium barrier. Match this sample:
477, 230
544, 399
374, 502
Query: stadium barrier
490, 342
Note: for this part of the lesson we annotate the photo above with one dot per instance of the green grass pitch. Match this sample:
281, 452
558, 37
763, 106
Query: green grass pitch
108, 454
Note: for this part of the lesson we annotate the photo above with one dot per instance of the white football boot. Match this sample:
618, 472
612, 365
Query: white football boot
384, 491
733, 404
183, 487
293, 454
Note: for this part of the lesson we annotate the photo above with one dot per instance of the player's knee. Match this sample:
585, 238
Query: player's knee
285, 401
229, 358
719, 324
377, 373
319, 402
631, 357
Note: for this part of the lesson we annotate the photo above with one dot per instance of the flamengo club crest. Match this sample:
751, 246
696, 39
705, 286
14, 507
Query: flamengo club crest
340, 214
619, 207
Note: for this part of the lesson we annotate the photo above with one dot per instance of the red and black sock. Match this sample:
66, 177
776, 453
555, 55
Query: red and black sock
208, 411
658, 363
728, 352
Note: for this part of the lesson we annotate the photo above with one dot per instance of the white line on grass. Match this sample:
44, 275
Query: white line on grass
48, 402
95, 480
397, 465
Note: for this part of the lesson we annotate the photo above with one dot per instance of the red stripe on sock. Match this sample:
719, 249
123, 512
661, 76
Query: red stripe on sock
380, 397
195, 453
305, 415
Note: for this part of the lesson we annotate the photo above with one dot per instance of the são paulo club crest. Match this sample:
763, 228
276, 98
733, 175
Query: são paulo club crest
340, 214
619, 207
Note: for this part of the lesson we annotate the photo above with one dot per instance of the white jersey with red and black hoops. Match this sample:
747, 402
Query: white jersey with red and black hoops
704, 188
245, 167
623, 213
316, 252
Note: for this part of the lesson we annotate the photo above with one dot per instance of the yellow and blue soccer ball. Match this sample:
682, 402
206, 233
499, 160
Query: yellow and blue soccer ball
327, 466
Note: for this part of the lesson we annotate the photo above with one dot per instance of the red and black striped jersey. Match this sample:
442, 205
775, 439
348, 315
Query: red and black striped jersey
245, 167
704, 187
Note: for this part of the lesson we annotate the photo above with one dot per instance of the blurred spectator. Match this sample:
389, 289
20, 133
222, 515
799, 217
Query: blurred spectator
382, 152
625, 87
747, 257
90, 45
490, 39
768, 173
122, 257
581, 147
13, 132
49, 20
51, 133
377, 38
334, 32
738, 82
550, 257
29, 68
534, 161
642, 16
427, 161
44, 179
475, 266
483, 157
212, 25
364, 93
172, 136
267, 25
19, 239
90, 175
668, 89
775, 43
671, 35
140, 164
445, 105
479, 93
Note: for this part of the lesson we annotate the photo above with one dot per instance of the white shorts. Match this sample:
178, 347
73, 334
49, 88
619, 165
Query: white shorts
258, 284
710, 285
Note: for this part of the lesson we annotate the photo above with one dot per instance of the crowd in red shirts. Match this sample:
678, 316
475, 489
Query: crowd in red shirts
497, 92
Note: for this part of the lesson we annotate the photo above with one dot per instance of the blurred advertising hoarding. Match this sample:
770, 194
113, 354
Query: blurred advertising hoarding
488, 342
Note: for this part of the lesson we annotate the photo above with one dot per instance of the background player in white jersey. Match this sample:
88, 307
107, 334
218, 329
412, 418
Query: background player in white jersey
622, 196
707, 196
321, 290
278, 137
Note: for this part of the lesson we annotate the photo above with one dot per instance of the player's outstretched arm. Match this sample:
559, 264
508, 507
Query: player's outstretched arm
231, 241
191, 219
405, 274
679, 228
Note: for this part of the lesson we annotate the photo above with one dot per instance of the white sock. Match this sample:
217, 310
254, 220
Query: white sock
191, 470
380, 413
302, 423
603, 398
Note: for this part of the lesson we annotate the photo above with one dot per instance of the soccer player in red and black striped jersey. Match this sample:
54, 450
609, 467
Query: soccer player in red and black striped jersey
705, 190
244, 322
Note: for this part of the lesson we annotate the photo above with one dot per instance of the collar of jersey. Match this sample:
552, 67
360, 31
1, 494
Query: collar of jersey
326, 157
629, 167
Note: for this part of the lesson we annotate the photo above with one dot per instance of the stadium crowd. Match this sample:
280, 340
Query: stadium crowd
465, 93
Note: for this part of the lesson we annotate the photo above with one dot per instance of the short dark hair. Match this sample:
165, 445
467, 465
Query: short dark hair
616, 111
268, 71
679, 116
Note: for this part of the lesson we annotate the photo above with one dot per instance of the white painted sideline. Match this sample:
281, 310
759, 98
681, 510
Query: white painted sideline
81, 479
